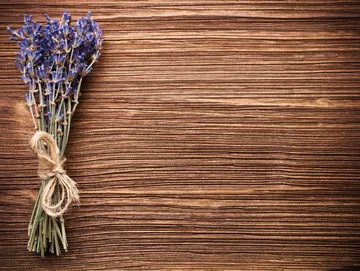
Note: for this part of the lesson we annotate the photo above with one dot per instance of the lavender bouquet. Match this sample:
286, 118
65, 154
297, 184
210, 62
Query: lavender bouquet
53, 61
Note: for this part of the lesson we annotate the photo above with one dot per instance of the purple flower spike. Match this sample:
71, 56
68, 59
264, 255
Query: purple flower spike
41, 72
88, 16
12, 32
27, 19
68, 91
66, 17
48, 17
29, 99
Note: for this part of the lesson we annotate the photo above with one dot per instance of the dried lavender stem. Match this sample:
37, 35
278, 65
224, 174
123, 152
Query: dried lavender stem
72, 110
33, 117
41, 105
36, 113
67, 117
62, 148
52, 106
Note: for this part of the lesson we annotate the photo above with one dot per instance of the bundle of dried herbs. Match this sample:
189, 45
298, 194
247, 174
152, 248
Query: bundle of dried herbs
53, 60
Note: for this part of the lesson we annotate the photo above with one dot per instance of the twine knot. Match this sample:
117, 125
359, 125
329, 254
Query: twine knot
56, 172
59, 190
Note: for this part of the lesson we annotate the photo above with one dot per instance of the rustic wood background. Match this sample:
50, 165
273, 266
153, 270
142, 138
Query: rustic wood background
218, 135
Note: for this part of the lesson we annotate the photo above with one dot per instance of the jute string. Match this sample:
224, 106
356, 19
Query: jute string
52, 172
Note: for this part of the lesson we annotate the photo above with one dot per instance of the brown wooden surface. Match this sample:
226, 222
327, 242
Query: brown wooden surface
219, 135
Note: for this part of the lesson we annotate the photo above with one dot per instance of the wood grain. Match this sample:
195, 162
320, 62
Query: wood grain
212, 135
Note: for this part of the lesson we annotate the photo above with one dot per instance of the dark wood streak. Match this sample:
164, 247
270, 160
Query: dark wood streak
212, 135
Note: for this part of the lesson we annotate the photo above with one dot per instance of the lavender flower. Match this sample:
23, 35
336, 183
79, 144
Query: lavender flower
53, 59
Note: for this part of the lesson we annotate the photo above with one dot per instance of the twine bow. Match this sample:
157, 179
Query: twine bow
51, 170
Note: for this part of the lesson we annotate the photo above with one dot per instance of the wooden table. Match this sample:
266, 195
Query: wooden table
212, 135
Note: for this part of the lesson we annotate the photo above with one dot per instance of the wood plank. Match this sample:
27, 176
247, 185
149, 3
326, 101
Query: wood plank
212, 135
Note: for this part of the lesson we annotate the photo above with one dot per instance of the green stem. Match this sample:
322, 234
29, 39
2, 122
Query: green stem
62, 147
44, 231
33, 117
71, 112
42, 108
